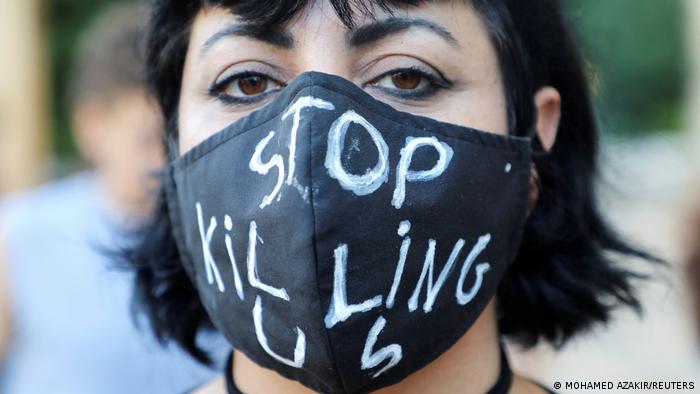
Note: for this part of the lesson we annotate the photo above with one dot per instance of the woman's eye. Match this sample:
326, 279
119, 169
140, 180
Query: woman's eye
410, 83
403, 80
244, 88
247, 86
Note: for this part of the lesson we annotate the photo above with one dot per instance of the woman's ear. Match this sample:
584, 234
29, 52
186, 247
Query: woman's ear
548, 105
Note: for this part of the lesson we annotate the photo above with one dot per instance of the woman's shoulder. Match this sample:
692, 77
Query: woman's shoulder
523, 385
215, 386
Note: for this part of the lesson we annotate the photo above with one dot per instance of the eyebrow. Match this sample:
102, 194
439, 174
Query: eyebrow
378, 30
278, 37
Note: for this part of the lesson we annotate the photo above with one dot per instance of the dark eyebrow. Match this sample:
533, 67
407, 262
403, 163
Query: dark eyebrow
377, 30
278, 37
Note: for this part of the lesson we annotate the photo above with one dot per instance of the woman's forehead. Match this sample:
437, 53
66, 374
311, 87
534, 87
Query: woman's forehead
363, 22
273, 14
270, 11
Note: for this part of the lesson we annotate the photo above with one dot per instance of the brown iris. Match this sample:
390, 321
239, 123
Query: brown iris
406, 80
252, 85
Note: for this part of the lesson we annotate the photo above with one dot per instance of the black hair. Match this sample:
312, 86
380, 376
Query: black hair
564, 278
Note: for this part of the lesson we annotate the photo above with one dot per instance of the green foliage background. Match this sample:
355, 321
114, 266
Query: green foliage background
635, 49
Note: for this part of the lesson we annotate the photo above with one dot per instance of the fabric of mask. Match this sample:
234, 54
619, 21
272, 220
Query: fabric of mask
342, 243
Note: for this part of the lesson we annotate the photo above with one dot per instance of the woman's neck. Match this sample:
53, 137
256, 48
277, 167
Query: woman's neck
472, 365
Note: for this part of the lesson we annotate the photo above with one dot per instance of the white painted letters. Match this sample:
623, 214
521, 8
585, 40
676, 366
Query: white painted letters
382, 359
433, 289
462, 297
209, 264
404, 174
339, 310
404, 228
299, 349
361, 185
252, 266
372, 359
301, 103
228, 223
261, 168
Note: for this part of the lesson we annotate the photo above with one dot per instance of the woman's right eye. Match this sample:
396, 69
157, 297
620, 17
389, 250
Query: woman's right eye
244, 88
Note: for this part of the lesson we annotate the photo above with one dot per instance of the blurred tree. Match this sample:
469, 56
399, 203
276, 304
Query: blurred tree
637, 54
24, 112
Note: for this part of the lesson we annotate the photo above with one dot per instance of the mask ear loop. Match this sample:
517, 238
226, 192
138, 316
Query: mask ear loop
538, 153
538, 150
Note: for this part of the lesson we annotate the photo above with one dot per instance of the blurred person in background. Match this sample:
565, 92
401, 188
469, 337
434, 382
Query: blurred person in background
65, 315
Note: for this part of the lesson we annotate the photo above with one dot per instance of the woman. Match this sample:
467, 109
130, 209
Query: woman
333, 207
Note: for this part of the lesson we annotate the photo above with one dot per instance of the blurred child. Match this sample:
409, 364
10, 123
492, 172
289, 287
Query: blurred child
65, 322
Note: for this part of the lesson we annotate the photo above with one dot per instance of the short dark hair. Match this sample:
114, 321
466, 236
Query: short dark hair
563, 279
111, 55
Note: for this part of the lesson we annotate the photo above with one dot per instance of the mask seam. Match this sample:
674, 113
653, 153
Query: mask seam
331, 352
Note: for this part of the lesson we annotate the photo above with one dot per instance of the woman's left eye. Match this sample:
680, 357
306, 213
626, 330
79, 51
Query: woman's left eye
404, 80
409, 83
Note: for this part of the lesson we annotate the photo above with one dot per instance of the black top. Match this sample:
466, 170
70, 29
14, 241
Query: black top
502, 385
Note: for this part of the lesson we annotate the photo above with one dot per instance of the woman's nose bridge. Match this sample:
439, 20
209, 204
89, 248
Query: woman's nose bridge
332, 65
318, 55
321, 45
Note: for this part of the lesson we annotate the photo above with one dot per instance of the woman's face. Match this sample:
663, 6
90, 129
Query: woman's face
435, 60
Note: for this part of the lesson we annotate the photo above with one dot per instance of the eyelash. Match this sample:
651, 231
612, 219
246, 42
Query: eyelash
435, 83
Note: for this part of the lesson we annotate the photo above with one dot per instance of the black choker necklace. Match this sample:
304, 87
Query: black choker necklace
502, 385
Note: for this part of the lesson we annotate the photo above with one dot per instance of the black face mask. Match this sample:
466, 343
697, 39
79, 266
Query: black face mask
343, 243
